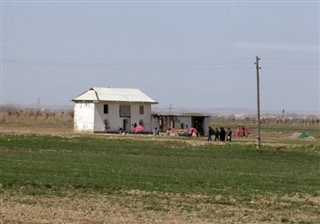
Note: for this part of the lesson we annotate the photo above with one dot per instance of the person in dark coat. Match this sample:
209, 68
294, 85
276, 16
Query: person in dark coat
210, 133
222, 134
216, 134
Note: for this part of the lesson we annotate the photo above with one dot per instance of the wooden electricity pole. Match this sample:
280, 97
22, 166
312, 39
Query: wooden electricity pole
258, 102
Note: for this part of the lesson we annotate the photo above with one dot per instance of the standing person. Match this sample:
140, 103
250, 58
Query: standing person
244, 131
229, 135
210, 133
222, 134
216, 134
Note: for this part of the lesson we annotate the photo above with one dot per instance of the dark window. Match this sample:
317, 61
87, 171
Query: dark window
125, 111
141, 109
106, 108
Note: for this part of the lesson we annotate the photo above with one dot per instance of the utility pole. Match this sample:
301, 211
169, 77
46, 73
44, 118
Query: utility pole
38, 104
258, 102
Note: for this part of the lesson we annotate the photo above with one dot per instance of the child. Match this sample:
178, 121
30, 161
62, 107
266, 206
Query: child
229, 134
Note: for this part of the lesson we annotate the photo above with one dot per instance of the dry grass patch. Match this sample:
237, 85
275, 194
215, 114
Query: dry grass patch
154, 207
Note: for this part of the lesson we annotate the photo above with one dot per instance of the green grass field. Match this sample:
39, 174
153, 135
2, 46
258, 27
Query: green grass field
220, 174
106, 164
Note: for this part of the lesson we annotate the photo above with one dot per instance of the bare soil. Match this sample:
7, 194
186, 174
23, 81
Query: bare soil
143, 207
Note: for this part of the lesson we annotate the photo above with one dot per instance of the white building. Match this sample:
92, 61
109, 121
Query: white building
109, 109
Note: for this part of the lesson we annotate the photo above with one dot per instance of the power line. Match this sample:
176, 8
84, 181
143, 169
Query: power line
221, 64
184, 63
290, 60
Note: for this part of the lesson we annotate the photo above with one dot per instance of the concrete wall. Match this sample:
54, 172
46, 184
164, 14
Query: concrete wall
106, 122
163, 122
207, 123
185, 121
171, 122
84, 117
136, 117
90, 117
114, 121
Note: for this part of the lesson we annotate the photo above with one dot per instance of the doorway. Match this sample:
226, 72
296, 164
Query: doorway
126, 125
198, 122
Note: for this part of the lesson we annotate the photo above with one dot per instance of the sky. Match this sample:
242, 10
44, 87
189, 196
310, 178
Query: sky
183, 54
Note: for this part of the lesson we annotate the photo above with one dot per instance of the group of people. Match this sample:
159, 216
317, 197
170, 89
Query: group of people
242, 131
220, 135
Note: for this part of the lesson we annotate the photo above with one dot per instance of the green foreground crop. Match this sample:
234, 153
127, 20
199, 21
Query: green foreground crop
107, 164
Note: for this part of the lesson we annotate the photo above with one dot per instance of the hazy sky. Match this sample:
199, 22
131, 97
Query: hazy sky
197, 54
